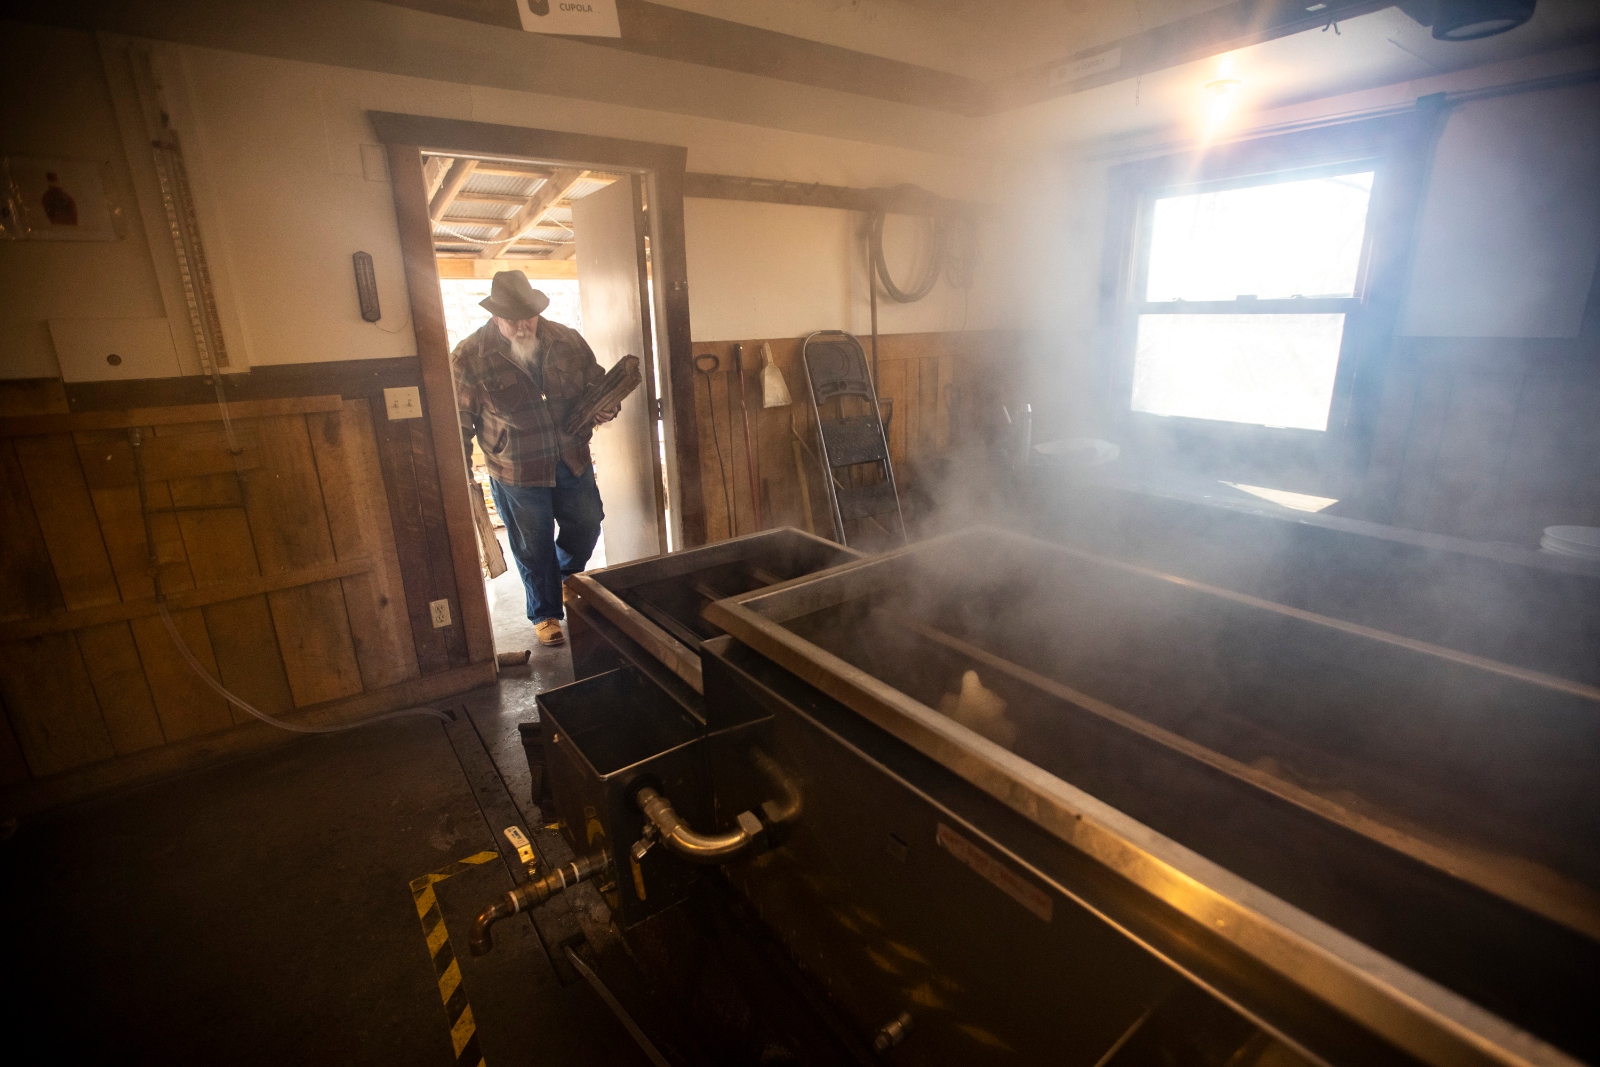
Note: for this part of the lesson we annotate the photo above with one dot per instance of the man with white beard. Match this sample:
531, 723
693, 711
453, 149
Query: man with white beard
515, 379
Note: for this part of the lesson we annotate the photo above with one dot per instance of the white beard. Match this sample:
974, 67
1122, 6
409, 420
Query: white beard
524, 350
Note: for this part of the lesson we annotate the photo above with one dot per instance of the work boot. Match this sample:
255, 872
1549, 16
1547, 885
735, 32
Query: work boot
548, 631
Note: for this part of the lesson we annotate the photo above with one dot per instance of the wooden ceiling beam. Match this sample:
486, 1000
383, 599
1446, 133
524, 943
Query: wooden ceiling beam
555, 189
433, 172
1210, 33
468, 197
454, 179
906, 200
503, 169
666, 32
484, 269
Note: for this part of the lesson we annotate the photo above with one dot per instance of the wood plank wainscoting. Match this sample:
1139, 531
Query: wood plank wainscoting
301, 578
941, 390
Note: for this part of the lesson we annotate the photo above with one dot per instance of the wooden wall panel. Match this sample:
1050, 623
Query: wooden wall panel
289, 523
406, 520
249, 662
122, 527
921, 383
67, 518
51, 703
117, 675
13, 765
32, 396
314, 637
284, 501
186, 705
416, 510
178, 450
216, 541
358, 517
441, 564
28, 584
220, 548
288, 582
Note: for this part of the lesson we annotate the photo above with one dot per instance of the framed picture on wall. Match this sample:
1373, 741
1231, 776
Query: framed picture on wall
55, 200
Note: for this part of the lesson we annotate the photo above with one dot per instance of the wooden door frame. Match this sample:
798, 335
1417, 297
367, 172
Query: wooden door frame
406, 137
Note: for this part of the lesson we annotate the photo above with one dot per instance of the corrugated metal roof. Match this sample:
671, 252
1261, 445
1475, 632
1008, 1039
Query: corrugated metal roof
472, 209
584, 188
551, 234
503, 183
459, 230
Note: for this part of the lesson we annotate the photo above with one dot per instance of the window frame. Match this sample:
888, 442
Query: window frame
1320, 462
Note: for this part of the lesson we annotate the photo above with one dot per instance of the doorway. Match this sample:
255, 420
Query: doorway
581, 235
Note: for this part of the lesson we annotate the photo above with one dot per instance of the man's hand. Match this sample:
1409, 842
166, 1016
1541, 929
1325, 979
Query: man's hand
603, 417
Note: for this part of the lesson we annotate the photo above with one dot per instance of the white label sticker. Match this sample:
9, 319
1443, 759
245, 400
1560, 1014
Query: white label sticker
583, 18
520, 842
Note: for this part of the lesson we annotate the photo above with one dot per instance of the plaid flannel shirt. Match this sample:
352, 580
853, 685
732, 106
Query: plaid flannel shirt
516, 418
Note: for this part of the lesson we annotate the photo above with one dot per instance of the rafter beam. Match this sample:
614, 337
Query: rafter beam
490, 198
512, 170
434, 169
555, 189
669, 32
454, 179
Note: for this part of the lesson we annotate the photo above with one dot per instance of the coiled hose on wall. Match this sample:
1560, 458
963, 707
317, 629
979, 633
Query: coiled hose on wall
953, 251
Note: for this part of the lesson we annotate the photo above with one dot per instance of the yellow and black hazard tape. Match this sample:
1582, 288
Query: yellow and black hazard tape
463, 1031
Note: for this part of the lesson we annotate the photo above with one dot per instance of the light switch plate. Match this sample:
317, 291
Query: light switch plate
403, 403
441, 613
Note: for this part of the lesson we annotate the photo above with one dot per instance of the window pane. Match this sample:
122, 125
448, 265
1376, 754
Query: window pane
1267, 370
1300, 238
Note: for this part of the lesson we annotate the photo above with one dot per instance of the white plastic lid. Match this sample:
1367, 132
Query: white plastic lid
1584, 537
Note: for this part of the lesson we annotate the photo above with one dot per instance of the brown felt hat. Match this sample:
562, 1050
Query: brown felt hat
511, 297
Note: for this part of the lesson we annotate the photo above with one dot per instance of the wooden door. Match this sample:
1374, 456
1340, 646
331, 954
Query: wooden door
615, 301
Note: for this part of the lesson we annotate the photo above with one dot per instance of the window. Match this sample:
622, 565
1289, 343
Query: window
1245, 291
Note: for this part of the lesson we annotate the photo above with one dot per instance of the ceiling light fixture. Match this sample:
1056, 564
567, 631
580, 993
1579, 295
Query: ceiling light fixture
1469, 20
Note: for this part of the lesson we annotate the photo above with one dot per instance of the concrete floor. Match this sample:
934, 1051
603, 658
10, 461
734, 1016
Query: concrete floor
260, 911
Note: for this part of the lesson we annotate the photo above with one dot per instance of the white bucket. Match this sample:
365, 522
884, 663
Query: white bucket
1580, 541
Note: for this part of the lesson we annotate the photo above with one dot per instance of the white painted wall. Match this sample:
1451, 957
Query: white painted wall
1511, 231
291, 183
56, 105
1510, 238
770, 270
284, 141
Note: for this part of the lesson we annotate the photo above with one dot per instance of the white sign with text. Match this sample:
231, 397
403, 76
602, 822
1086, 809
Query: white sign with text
584, 18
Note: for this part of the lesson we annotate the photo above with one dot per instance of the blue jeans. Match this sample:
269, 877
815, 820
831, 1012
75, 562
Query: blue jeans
544, 557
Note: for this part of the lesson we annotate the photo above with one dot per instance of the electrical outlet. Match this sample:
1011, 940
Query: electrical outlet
441, 613
403, 403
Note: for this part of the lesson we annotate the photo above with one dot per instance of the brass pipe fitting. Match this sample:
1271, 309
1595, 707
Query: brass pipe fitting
532, 894
700, 848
